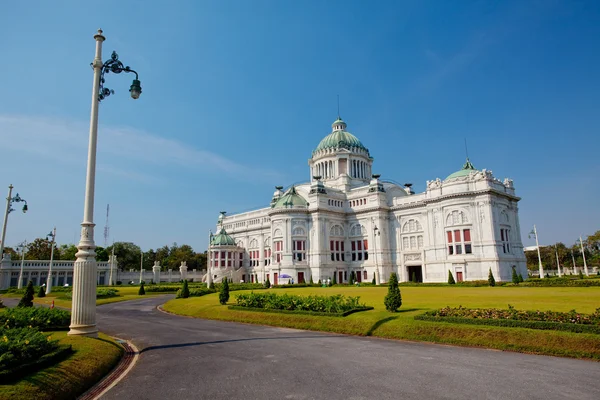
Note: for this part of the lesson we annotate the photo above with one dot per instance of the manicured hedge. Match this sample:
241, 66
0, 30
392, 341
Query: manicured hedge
20, 346
322, 314
16, 372
323, 304
515, 323
35, 317
569, 321
100, 294
295, 285
568, 282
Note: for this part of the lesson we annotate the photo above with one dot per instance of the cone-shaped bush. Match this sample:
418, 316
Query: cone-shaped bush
393, 299
27, 299
352, 278
267, 283
515, 277
142, 291
374, 281
224, 292
520, 278
580, 274
311, 281
333, 282
451, 280
491, 280
42, 292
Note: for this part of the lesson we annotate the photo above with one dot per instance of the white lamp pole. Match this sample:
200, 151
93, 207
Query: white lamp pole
141, 265
585, 269
375, 234
9, 201
49, 278
112, 265
574, 265
209, 263
537, 245
85, 275
23, 247
557, 262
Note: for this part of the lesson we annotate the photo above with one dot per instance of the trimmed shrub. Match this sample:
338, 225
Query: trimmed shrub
35, 317
393, 300
41, 292
224, 293
515, 277
319, 283
451, 280
580, 274
352, 278
106, 293
267, 283
141, 292
520, 278
184, 292
322, 304
333, 282
19, 346
374, 281
311, 280
27, 299
491, 279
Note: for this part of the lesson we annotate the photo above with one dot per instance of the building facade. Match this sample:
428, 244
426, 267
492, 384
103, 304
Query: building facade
347, 220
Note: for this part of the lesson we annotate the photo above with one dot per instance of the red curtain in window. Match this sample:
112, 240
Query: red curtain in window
331, 245
457, 236
366, 244
449, 236
467, 235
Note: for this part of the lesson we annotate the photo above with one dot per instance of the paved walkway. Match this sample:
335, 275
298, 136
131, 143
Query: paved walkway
194, 358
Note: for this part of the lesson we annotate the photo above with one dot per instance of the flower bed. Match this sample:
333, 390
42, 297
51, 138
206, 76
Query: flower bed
567, 321
35, 317
337, 304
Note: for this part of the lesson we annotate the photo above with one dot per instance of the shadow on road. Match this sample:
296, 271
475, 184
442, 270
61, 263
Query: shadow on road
173, 346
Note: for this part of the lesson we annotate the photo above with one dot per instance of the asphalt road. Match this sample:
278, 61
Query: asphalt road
188, 358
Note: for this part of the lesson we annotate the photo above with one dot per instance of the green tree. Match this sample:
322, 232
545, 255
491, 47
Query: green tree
142, 291
520, 278
374, 281
128, 255
393, 299
515, 277
352, 278
580, 274
68, 251
40, 249
101, 254
333, 282
311, 280
224, 292
267, 283
27, 299
491, 280
41, 292
451, 280
13, 254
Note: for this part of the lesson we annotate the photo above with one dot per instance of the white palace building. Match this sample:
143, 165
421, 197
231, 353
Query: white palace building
348, 220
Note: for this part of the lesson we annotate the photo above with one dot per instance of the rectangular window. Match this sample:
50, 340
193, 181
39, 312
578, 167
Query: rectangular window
467, 235
457, 236
365, 275
457, 243
458, 249
449, 236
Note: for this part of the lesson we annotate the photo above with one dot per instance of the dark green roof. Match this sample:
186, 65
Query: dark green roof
222, 239
465, 171
290, 199
339, 138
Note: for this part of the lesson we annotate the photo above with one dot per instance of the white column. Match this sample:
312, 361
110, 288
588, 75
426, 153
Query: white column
83, 309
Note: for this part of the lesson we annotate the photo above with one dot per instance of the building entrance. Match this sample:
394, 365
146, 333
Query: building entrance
415, 273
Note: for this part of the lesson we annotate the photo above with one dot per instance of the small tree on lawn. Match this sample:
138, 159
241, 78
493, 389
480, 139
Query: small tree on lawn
393, 300
333, 282
41, 292
515, 277
267, 283
451, 280
185, 290
491, 280
520, 278
351, 281
142, 291
580, 274
27, 299
374, 281
224, 293
311, 280
414, 277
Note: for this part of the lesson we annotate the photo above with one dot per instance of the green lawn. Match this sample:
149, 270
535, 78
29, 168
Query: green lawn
125, 293
416, 300
92, 360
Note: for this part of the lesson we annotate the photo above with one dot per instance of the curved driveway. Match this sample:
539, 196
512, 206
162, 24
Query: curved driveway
190, 358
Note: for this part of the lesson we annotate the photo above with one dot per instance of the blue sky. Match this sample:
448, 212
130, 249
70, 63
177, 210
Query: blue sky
236, 94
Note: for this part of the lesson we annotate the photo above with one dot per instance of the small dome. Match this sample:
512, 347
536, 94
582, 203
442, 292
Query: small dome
339, 138
465, 171
222, 239
291, 200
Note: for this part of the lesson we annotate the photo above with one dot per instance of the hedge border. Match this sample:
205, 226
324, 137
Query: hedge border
47, 360
315, 313
513, 323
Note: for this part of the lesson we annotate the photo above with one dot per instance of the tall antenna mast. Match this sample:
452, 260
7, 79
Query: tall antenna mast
338, 96
466, 149
106, 227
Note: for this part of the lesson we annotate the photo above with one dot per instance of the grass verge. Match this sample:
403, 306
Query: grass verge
402, 325
315, 313
91, 360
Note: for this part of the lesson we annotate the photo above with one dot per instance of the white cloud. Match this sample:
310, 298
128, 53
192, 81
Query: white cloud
125, 152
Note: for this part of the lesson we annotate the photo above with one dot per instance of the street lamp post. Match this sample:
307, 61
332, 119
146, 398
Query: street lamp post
9, 201
112, 266
83, 309
49, 279
376, 233
537, 245
141, 266
585, 269
209, 262
557, 261
22, 246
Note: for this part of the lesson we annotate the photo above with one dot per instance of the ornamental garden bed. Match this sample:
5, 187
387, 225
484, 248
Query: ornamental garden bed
571, 321
336, 305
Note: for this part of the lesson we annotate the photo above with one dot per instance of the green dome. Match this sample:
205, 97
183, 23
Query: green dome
222, 239
465, 171
291, 200
339, 138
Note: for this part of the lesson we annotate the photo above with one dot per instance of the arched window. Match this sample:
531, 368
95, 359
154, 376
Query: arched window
336, 243
359, 243
456, 217
299, 244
